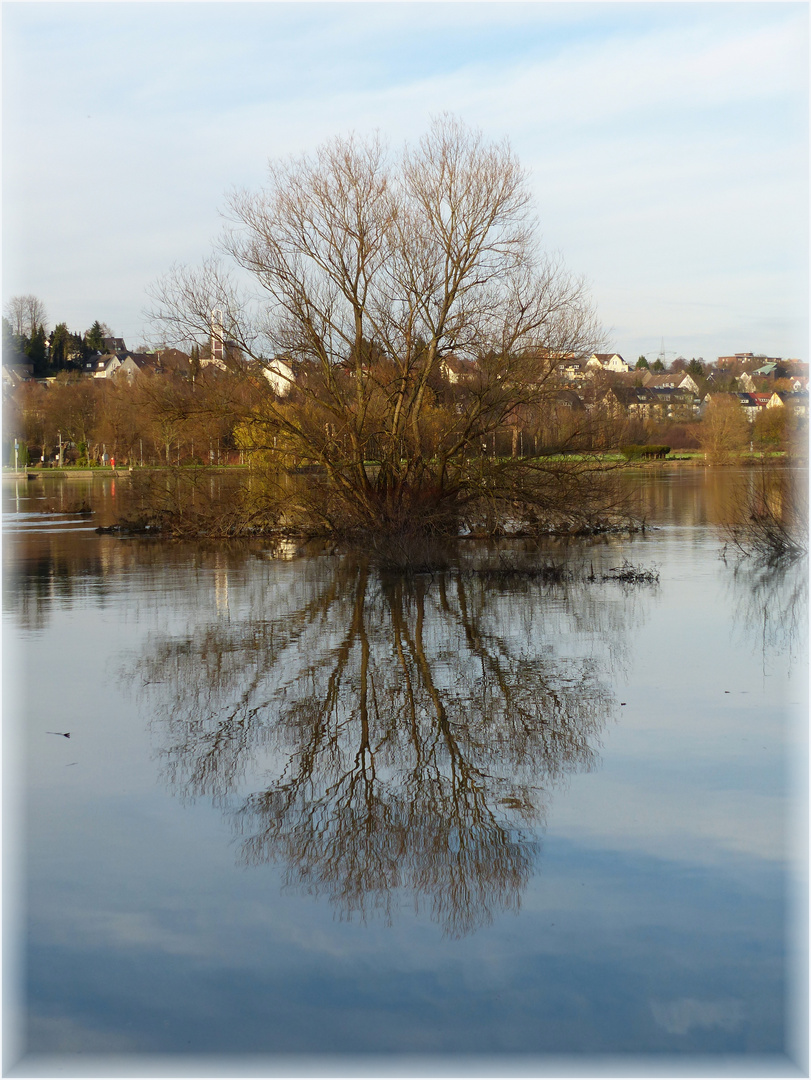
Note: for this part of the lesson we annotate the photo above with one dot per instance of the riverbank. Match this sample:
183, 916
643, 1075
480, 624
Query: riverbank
686, 458
106, 473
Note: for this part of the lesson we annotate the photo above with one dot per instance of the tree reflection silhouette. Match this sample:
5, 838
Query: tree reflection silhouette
770, 607
394, 734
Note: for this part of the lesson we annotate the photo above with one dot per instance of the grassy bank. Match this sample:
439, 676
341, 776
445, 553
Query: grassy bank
675, 458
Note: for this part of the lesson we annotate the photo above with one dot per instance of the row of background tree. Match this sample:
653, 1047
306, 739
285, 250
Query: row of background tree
164, 419
160, 419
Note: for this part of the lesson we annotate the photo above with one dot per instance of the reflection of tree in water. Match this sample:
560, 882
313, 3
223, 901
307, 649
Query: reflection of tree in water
770, 605
43, 569
395, 733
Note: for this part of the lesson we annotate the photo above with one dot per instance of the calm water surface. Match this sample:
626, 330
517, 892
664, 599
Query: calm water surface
312, 818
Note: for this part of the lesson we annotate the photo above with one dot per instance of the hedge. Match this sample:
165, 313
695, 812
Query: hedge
635, 452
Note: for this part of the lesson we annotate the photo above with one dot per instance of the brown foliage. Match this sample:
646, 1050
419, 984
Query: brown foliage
724, 431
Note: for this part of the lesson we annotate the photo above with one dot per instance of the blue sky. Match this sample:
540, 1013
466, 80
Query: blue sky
667, 143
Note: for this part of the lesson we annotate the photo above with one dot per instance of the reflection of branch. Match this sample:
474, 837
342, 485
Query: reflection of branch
771, 604
548, 702
769, 515
403, 728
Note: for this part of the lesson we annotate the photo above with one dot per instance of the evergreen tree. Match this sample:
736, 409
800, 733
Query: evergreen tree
194, 361
60, 346
37, 352
94, 337
79, 349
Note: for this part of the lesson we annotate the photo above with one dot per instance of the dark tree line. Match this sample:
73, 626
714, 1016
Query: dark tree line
26, 341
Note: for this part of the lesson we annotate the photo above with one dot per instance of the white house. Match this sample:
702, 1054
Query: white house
132, 365
280, 376
102, 367
572, 370
456, 370
746, 382
607, 362
674, 380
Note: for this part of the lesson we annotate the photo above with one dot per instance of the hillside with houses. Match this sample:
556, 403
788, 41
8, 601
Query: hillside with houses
87, 398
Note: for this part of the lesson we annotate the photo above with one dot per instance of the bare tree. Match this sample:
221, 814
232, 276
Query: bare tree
75, 407
26, 314
767, 519
724, 431
372, 270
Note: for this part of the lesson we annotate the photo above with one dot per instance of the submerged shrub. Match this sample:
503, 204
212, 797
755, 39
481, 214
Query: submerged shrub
632, 575
769, 518
401, 330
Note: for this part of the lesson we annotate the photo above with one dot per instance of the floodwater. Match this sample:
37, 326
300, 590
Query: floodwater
315, 820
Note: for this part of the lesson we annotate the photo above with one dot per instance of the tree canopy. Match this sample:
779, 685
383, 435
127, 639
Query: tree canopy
25, 314
94, 337
416, 317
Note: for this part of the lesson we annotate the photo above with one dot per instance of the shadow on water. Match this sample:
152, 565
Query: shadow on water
389, 737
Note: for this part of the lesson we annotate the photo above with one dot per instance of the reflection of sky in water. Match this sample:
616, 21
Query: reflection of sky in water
654, 920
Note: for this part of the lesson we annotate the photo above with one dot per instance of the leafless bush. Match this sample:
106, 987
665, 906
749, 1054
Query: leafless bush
189, 503
408, 552
405, 304
632, 575
769, 520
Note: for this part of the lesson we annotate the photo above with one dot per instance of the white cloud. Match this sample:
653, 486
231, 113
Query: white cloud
683, 1015
67, 1035
670, 821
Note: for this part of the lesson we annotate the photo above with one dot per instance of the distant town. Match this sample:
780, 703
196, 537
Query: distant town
87, 399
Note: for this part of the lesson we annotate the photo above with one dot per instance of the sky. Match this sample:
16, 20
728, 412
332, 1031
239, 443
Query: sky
667, 144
